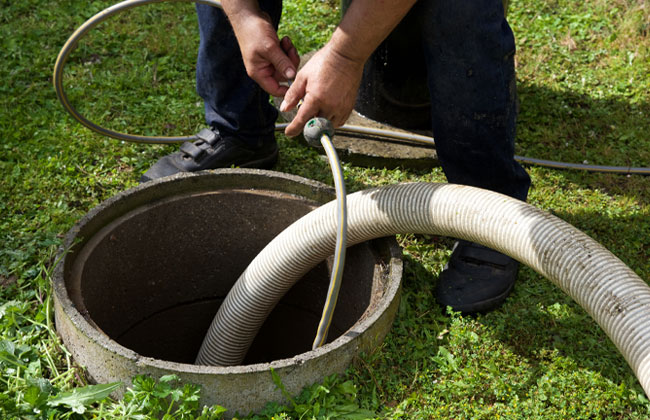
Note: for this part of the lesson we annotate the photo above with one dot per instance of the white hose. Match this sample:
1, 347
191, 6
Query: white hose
617, 299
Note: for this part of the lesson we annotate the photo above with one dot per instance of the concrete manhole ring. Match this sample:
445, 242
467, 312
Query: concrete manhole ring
142, 275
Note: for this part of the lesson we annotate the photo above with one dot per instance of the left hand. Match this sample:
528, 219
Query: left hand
328, 85
267, 59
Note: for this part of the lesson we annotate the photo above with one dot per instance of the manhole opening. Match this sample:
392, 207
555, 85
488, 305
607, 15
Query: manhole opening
153, 278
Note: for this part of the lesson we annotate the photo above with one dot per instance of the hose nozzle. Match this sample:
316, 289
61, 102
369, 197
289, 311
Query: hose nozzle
314, 130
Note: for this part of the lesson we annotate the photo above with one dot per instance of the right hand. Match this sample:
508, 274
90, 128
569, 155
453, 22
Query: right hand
268, 60
327, 85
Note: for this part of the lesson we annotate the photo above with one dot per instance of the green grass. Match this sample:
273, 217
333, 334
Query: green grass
585, 96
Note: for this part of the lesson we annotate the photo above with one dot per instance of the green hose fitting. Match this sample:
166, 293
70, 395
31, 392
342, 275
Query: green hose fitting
314, 130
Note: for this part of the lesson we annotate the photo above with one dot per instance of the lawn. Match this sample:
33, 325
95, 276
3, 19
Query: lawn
584, 86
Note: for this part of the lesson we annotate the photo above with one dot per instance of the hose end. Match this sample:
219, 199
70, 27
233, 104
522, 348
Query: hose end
315, 128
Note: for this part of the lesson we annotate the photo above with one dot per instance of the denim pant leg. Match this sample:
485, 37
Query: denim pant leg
234, 103
469, 52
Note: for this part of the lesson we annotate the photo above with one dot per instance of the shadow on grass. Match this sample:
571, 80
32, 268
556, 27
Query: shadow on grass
572, 127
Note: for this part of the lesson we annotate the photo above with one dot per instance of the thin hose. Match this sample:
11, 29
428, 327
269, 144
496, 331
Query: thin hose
341, 243
616, 298
71, 44
429, 141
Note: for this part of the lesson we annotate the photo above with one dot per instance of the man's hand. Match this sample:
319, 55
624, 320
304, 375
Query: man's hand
268, 60
328, 83
328, 86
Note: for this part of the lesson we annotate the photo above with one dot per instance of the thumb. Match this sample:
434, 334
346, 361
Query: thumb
295, 93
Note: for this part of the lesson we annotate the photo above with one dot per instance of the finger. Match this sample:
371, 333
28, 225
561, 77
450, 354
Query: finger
281, 62
271, 86
290, 50
331, 117
293, 95
343, 114
307, 111
340, 119
328, 116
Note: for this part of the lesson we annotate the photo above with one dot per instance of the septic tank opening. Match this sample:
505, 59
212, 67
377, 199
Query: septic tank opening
143, 273
153, 278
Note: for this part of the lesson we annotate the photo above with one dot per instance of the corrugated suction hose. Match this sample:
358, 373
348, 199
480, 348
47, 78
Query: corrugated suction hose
604, 286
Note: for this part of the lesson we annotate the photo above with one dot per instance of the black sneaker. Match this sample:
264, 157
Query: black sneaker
212, 151
476, 279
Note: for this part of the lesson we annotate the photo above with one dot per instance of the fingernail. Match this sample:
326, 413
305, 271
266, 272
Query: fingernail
290, 73
283, 106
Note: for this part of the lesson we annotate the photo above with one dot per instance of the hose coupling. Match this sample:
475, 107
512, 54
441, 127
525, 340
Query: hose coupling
314, 130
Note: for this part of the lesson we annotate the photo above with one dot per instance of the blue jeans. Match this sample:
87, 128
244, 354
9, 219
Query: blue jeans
234, 103
469, 53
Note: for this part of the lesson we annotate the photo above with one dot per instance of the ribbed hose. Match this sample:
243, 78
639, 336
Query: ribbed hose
617, 299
